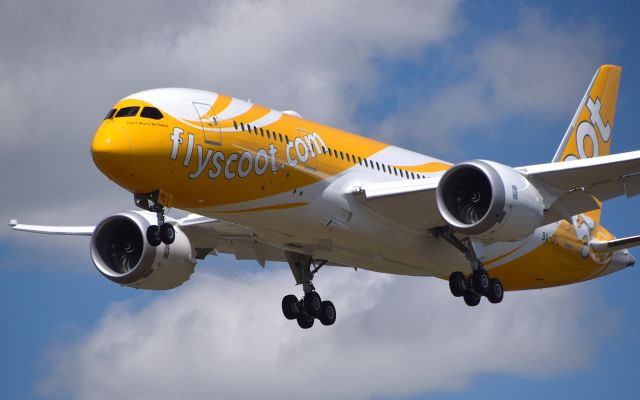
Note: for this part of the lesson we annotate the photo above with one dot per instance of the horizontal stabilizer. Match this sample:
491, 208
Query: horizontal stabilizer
52, 230
606, 246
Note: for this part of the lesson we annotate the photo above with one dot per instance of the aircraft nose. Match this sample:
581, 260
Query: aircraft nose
111, 149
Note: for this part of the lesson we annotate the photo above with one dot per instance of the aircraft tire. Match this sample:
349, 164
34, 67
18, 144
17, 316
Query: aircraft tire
153, 236
305, 321
480, 280
456, 283
327, 313
312, 304
471, 299
290, 306
496, 291
167, 233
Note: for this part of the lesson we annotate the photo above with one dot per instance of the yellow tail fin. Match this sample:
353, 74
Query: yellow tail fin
589, 134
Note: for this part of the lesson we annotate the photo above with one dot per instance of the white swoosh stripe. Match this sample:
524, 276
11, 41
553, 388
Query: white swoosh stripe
235, 108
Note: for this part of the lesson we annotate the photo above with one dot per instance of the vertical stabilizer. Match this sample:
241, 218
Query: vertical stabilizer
590, 131
589, 134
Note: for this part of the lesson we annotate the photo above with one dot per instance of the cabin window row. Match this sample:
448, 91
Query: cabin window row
339, 155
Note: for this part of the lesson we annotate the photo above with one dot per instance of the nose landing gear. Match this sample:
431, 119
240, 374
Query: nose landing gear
156, 202
310, 307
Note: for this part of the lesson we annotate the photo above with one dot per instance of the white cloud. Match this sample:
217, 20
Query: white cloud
226, 337
66, 63
538, 69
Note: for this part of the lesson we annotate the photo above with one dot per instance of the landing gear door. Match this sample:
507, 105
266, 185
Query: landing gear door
210, 123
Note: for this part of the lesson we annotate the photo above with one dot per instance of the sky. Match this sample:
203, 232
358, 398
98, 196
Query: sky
455, 80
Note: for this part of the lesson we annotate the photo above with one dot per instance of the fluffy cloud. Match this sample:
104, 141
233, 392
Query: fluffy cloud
539, 68
67, 62
226, 337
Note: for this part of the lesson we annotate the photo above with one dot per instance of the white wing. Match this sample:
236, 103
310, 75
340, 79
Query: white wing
52, 230
604, 177
569, 188
411, 203
206, 236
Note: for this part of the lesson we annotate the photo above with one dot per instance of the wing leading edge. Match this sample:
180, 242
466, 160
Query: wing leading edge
207, 236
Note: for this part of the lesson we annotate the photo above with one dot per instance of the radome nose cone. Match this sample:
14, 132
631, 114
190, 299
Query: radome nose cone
110, 149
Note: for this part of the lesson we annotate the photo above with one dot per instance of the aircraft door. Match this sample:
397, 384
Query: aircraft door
210, 123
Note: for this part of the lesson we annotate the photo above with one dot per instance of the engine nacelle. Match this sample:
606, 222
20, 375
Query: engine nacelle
121, 253
489, 201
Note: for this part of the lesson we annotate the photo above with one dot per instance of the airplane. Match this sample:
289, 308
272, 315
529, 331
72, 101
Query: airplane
267, 185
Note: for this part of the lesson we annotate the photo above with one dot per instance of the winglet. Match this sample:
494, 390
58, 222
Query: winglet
13, 223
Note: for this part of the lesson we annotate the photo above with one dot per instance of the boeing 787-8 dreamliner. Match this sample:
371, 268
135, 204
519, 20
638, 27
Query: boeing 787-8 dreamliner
271, 186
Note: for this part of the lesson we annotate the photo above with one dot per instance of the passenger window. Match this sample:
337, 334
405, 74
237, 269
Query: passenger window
235, 125
378, 166
335, 153
128, 112
342, 155
360, 160
287, 137
151, 112
280, 135
365, 163
110, 114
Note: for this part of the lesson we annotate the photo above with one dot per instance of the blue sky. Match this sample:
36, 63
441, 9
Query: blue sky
456, 80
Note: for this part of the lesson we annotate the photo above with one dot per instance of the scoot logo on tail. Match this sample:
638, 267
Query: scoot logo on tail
594, 129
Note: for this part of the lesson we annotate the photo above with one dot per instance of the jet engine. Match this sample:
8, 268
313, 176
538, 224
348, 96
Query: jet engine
121, 253
489, 201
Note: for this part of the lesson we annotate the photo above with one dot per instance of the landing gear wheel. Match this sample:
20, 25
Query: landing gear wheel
153, 236
305, 321
471, 299
327, 313
312, 303
167, 233
496, 291
456, 283
480, 280
290, 306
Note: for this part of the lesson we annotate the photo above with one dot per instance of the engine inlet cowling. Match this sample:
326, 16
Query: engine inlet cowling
489, 201
121, 253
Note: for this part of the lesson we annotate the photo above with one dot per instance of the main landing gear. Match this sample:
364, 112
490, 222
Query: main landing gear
471, 288
311, 307
156, 202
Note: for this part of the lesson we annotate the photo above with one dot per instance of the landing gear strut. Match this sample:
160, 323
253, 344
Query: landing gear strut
471, 288
310, 307
156, 202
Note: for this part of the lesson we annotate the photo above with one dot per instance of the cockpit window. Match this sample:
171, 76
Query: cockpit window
127, 112
151, 112
110, 114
